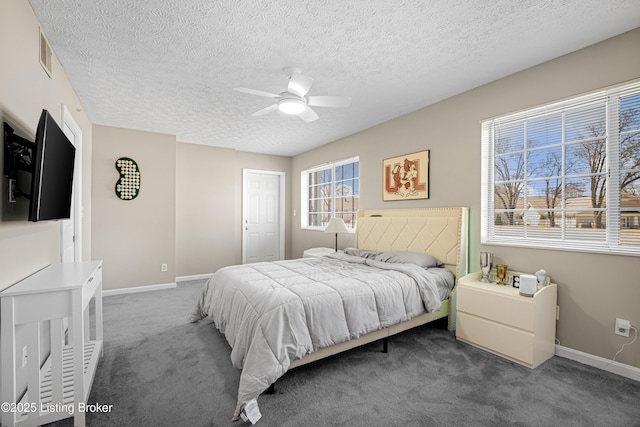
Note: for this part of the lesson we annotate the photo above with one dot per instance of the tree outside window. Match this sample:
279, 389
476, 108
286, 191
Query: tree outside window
331, 191
550, 174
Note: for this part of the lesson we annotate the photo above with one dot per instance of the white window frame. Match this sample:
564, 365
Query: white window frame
304, 189
611, 242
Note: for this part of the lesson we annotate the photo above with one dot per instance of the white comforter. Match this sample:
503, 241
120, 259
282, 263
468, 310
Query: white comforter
274, 313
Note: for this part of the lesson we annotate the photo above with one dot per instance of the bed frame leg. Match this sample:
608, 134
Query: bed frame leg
385, 345
271, 389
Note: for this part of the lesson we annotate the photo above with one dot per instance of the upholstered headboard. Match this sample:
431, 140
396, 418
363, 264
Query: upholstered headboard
440, 232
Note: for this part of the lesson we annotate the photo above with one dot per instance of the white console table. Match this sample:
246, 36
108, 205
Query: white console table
39, 307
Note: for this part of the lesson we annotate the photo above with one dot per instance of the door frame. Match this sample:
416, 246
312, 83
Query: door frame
281, 207
70, 122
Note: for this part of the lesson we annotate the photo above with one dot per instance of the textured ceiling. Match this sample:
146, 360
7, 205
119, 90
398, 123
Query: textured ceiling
170, 66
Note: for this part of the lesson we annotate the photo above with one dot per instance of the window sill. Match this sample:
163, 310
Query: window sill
322, 229
567, 248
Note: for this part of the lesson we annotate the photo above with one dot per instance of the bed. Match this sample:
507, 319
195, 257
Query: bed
280, 315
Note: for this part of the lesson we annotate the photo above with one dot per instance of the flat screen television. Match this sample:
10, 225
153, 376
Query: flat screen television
53, 160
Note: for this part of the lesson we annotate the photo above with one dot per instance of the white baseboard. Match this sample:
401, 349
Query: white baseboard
109, 292
158, 287
194, 277
608, 365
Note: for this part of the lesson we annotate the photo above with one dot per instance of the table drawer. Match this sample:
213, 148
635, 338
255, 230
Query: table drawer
496, 338
516, 311
92, 283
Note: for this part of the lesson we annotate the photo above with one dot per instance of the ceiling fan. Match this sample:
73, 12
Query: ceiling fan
294, 100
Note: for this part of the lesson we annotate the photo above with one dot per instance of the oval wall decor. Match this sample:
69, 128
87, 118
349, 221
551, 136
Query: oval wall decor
128, 185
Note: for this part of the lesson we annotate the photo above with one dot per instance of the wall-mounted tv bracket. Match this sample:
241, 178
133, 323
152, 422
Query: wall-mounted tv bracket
17, 156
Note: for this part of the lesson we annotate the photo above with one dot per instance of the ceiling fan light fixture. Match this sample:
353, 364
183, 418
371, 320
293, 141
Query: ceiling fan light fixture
291, 106
294, 100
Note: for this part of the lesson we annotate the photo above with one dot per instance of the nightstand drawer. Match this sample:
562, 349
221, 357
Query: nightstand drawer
514, 310
500, 339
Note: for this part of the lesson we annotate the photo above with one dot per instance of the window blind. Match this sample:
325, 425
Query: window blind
565, 175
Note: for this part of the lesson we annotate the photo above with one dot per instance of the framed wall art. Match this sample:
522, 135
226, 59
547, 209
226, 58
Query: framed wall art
406, 177
128, 185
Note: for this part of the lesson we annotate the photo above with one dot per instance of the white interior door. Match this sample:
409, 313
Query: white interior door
70, 241
263, 216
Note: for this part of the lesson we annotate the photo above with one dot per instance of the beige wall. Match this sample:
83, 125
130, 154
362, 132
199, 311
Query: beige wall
593, 289
134, 237
205, 209
149, 223
187, 214
25, 89
209, 205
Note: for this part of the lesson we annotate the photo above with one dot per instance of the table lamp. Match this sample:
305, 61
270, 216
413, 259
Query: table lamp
336, 225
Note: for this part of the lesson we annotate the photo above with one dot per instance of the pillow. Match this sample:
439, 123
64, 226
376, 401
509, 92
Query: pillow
421, 260
364, 253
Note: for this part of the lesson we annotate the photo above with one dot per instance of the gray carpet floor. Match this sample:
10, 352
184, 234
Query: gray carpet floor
160, 370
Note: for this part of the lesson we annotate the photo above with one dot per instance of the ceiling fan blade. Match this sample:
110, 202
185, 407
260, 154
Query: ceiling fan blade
266, 110
330, 101
308, 115
256, 92
299, 84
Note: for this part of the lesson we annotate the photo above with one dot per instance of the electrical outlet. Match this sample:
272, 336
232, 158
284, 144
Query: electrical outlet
163, 267
24, 356
622, 327
557, 312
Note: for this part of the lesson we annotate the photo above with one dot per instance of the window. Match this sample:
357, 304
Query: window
565, 175
330, 190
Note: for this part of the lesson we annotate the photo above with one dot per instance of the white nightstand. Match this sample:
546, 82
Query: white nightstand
316, 252
496, 318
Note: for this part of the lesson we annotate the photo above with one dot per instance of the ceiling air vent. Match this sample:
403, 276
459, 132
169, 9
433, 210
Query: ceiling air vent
45, 54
